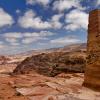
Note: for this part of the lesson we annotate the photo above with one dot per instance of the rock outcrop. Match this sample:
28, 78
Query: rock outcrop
51, 64
92, 73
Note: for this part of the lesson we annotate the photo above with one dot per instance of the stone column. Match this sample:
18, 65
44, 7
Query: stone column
92, 72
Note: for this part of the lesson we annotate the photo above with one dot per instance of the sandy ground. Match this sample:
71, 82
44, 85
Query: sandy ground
38, 87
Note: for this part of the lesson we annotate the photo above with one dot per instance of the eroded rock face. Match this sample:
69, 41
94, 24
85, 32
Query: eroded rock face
52, 64
92, 74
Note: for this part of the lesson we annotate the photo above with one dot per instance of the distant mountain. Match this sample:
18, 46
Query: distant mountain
76, 47
68, 48
20, 57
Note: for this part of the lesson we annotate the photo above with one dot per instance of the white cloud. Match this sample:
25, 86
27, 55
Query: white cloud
46, 33
26, 38
30, 40
62, 5
15, 44
43, 44
5, 18
17, 35
18, 11
55, 21
30, 20
76, 19
98, 3
11, 40
34, 37
12, 35
65, 40
42, 2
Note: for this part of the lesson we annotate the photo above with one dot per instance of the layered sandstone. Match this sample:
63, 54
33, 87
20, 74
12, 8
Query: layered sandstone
92, 73
52, 64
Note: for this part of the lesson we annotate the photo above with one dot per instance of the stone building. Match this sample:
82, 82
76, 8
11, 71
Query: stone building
92, 72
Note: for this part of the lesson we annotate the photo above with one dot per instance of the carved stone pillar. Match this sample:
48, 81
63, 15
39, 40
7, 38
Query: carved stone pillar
92, 72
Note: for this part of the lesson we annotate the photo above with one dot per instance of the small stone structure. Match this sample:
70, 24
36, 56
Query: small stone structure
92, 72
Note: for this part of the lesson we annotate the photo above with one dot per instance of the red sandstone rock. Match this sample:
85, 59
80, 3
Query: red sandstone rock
92, 74
53, 63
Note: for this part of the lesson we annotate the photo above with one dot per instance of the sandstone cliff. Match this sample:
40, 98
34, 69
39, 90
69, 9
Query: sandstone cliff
51, 64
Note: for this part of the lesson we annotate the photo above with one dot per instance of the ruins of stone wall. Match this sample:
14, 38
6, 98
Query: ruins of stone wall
92, 72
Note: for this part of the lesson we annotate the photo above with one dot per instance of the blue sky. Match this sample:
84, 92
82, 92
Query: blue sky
39, 24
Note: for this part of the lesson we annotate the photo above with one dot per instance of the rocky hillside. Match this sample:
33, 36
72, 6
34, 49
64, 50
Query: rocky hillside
4, 59
53, 63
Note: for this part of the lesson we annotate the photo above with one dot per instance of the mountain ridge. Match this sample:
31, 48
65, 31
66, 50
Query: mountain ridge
54, 61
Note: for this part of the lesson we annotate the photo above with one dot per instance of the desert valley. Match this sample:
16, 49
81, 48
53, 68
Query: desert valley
49, 49
52, 74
